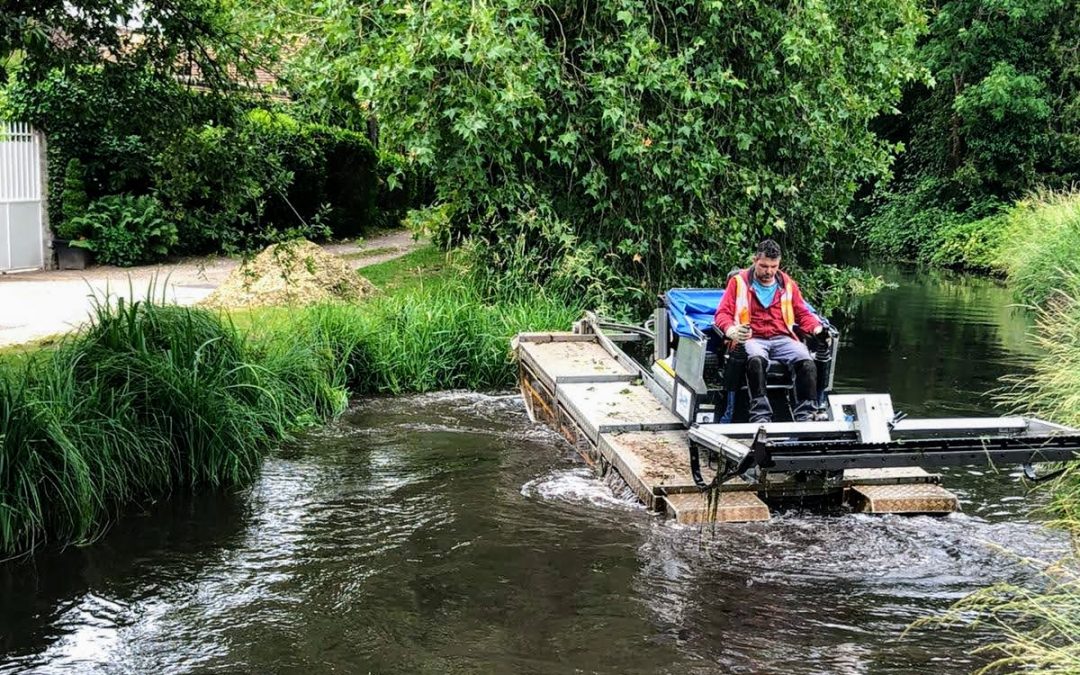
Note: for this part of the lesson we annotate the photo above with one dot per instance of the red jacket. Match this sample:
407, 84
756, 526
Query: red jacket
766, 322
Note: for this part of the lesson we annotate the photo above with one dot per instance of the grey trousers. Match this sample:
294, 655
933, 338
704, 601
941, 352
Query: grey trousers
789, 352
780, 348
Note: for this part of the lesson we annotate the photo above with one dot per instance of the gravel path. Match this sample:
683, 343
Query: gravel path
35, 305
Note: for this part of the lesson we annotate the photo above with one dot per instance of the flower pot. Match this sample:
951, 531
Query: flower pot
70, 257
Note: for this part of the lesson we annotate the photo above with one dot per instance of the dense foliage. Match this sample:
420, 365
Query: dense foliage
1002, 119
239, 186
228, 174
159, 100
125, 230
620, 146
110, 120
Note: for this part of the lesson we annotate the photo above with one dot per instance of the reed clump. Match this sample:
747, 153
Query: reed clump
1041, 244
147, 399
150, 398
444, 335
1037, 623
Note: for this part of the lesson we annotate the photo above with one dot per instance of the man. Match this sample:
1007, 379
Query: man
760, 308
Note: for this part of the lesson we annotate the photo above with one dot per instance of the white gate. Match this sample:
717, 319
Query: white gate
21, 233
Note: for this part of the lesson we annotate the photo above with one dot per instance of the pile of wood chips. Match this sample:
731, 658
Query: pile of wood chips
291, 273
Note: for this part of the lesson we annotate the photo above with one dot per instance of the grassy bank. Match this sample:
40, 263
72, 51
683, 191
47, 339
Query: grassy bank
1036, 245
1039, 623
151, 399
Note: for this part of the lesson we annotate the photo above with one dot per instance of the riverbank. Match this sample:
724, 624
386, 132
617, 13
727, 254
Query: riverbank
149, 399
1026, 242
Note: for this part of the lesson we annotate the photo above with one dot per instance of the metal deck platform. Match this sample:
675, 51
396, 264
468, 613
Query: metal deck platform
599, 404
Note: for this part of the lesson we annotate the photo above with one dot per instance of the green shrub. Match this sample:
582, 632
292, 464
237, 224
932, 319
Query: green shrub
214, 180
974, 245
114, 118
338, 172
73, 201
125, 230
909, 221
237, 188
1003, 121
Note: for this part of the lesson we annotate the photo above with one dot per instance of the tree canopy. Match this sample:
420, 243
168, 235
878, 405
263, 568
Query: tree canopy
1000, 119
619, 145
169, 37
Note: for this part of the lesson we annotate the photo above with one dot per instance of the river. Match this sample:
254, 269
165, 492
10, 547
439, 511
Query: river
447, 534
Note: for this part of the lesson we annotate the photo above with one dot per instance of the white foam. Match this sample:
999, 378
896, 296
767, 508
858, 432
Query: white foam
576, 486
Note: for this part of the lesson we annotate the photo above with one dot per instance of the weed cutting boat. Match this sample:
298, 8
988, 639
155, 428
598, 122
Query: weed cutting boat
657, 404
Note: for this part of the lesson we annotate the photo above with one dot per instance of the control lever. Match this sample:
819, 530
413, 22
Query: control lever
898, 417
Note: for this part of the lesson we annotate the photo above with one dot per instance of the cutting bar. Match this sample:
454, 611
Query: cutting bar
926, 443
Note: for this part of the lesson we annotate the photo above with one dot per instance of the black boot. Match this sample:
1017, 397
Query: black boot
734, 375
805, 391
760, 409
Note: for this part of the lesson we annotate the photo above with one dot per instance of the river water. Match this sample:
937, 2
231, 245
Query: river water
447, 534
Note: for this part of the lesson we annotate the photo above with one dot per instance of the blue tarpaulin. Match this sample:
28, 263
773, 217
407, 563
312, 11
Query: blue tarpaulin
692, 304
698, 305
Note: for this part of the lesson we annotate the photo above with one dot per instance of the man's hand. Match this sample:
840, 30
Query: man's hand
738, 334
823, 337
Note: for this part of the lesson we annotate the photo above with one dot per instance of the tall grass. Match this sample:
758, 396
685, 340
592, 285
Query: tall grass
1052, 389
149, 399
1041, 241
442, 336
1039, 627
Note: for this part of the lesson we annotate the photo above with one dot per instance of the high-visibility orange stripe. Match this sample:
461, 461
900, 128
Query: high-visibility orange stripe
742, 301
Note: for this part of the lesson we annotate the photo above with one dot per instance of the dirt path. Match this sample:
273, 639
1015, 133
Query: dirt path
34, 305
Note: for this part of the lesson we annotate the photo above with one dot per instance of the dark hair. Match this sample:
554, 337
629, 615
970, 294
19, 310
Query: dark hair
768, 249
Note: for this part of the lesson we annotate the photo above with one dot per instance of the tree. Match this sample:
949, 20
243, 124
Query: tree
170, 37
1002, 118
619, 146
113, 83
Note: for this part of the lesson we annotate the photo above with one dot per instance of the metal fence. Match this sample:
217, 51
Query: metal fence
22, 244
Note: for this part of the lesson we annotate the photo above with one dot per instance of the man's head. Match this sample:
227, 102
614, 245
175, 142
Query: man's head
767, 262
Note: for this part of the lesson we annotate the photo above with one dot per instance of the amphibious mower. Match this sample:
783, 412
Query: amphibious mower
664, 405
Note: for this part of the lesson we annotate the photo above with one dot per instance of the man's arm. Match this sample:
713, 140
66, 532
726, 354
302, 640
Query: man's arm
804, 318
725, 313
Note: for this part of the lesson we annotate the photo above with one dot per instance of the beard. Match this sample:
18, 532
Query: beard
766, 278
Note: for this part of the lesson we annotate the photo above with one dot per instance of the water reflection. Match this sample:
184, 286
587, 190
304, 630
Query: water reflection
938, 342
